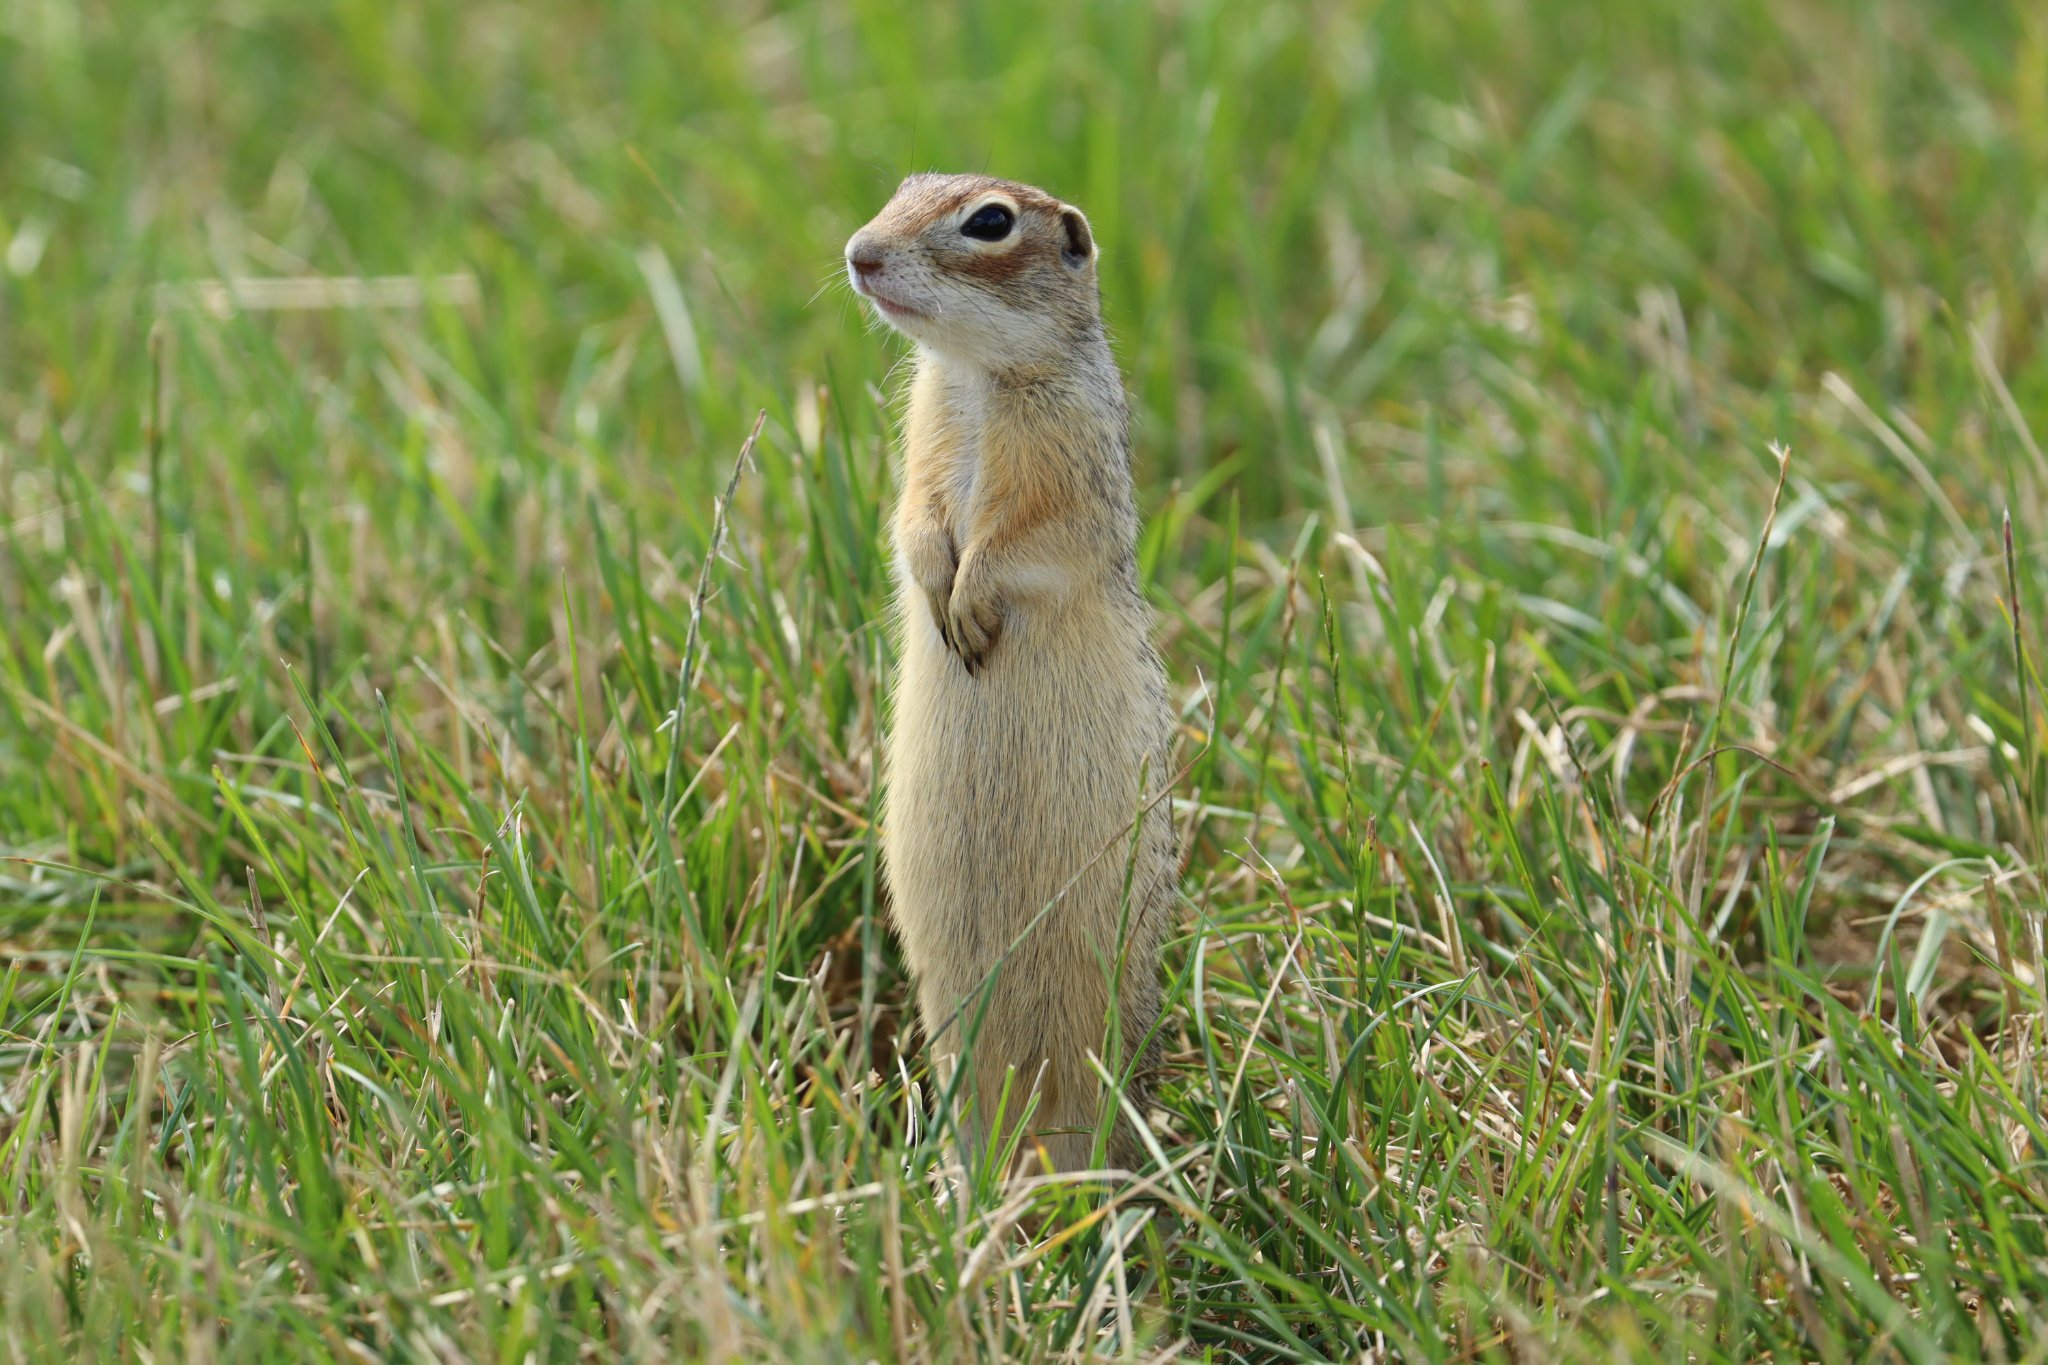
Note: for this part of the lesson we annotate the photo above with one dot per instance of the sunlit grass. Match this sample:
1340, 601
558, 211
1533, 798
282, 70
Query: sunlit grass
439, 912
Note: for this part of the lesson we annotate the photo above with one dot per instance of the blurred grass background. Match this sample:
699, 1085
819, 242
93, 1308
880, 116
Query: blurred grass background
1613, 918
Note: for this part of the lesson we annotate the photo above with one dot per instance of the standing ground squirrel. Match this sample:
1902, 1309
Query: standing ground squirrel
1026, 841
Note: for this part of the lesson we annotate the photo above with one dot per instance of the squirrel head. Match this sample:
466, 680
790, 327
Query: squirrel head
980, 270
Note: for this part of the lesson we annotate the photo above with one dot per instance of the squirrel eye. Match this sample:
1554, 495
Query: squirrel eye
989, 223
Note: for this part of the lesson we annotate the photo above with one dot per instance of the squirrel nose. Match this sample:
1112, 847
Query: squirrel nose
864, 259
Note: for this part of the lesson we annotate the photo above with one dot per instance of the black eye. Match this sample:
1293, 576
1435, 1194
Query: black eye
989, 223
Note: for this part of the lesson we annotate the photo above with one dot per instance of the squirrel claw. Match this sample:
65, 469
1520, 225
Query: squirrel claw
942, 618
972, 633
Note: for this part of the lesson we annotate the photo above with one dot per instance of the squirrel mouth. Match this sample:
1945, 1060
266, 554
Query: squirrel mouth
890, 308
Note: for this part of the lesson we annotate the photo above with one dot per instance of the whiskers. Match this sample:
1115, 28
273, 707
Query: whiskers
835, 274
837, 281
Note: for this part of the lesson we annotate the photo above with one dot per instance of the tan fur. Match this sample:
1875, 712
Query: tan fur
1031, 727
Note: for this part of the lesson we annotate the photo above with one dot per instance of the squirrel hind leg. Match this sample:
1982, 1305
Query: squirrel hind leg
1066, 1122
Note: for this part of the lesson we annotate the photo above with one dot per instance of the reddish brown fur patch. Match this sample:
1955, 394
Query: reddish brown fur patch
923, 216
999, 267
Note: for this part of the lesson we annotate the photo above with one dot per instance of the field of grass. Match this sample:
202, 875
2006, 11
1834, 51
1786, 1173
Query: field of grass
438, 896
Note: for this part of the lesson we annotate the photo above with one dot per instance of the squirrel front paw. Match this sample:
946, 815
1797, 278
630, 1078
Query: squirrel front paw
932, 561
973, 618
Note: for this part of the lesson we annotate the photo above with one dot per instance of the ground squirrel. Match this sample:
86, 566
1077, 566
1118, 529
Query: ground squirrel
1029, 739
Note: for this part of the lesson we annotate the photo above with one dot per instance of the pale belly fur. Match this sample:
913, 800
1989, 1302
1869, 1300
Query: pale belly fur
1017, 855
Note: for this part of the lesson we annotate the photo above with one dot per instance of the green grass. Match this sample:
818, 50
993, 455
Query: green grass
1613, 911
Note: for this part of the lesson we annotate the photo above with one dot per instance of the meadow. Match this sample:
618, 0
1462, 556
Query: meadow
1592, 460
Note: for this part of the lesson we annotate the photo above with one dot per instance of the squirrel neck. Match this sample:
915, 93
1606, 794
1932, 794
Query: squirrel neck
1066, 416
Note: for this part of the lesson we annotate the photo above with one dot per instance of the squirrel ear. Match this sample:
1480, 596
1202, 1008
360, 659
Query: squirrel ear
1079, 248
